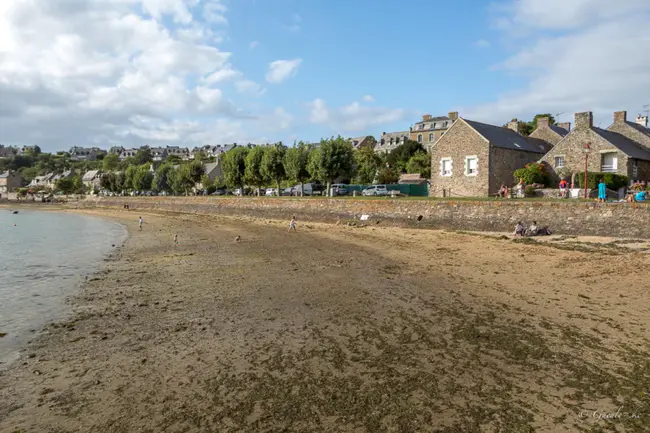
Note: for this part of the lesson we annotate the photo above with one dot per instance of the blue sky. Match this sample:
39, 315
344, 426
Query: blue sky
193, 72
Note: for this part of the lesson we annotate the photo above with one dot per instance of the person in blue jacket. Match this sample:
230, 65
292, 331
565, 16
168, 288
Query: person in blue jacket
640, 196
602, 191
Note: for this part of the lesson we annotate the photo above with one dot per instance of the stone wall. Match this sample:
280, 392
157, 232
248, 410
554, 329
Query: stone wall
565, 217
544, 132
504, 164
634, 134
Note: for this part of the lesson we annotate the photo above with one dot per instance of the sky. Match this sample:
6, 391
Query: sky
194, 72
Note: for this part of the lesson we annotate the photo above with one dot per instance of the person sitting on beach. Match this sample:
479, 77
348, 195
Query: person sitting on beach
503, 191
532, 230
520, 229
641, 196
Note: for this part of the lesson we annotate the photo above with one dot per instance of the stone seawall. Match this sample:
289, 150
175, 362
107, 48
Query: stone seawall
564, 217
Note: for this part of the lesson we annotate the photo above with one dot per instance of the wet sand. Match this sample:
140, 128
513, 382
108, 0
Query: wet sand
342, 329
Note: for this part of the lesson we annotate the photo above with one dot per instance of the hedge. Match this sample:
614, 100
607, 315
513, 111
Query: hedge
612, 180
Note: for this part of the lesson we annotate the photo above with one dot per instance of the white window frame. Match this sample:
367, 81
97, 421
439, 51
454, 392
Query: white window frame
431, 136
451, 166
467, 158
419, 138
555, 161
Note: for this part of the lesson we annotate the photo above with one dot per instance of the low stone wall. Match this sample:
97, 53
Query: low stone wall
563, 216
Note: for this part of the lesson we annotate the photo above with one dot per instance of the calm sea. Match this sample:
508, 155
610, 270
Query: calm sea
43, 259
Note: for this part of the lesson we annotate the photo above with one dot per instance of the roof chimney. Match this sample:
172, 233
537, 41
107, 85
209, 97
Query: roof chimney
564, 125
642, 120
584, 120
426, 117
453, 115
620, 116
514, 125
543, 121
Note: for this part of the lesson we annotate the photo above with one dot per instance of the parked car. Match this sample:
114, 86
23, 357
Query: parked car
340, 189
271, 192
375, 190
311, 189
290, 191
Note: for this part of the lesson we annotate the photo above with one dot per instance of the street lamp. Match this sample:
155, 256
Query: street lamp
587, 149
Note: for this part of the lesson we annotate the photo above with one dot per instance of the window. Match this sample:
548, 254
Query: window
635, 170
445, 167
471, 165
609, 163
421, 126
559, 161
430, 137
419, 138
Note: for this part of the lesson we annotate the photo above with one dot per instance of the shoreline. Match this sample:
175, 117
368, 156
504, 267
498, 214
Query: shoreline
168, 338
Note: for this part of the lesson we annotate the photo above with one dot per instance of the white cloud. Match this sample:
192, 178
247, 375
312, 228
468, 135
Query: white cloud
253, 44
368, 98
574, 56
280, 70
353, 117
100, 72
214, 12
249, 86
482, 43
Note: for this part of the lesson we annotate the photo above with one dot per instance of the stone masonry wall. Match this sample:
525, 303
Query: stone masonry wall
460, 141
631, 133
564, 217
504, 164
547, 134
572, 148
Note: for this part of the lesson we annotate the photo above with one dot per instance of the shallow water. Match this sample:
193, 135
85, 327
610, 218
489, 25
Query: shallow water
43, 259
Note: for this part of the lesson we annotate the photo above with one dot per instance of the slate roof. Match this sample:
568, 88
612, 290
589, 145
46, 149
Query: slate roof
90, 175
434, 119
642, 129
563, 132
209, 167
506, 138
624, 144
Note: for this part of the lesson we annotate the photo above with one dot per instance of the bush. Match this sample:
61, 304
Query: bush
612, 180
533, 173
530, 191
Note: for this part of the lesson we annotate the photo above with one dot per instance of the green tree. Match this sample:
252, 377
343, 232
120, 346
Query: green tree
143, 156
253, 172
66, 185
368, 164
113, 181
208, 185
78, 184
387, 175
142, 178
234, 167
196, 171
161, 179
110, 162
420, 163
295, 164
334, 158
174, 159
273, 164
400, 156
181, 179
29, 173
129, 176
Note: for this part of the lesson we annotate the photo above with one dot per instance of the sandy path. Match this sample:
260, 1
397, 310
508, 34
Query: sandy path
338, 328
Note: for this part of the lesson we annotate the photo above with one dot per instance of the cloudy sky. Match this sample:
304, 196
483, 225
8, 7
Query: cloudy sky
104, 72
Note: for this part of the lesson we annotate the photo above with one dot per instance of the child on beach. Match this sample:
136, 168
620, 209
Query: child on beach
519, 229
292, 223
140, 223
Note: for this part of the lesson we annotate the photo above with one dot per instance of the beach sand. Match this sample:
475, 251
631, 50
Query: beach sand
336, 328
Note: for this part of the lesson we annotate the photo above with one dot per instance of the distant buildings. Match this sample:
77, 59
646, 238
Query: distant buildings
390, 140
430, 129
85, 153
10, 181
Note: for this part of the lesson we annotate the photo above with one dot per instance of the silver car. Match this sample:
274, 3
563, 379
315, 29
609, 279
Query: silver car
375, 190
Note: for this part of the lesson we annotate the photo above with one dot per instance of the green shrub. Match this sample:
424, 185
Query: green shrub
530, 191
612, 180
533, 173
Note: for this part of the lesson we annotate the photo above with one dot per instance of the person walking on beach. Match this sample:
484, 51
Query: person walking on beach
140, 223
175, 239
292, 223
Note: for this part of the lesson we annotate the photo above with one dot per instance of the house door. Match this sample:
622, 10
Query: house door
609, 163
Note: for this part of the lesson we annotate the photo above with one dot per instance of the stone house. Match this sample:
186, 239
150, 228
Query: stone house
550, 133
430, 129
65, 175
44, 181
85, 153
390, 140
92, 180
474, 159
158, 153
609, 151
7, 151
359, 142
127, 153
182, 152
10, 181
213, 170
636, 131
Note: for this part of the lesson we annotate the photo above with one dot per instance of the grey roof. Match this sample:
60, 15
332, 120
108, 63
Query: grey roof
642, 129
209, 167
624, 144
399, 134
90, 175
434, 119
563, 132
506, 138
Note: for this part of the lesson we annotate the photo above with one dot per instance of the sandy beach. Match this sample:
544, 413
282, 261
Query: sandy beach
338, 328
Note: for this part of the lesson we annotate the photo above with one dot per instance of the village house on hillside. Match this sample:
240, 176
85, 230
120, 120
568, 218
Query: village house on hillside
359, 142
430, 129
92, 180
10, 181
7, 151
475, 159
85, 153
636, 131
609, 151
550, 133
390, 140
44, 181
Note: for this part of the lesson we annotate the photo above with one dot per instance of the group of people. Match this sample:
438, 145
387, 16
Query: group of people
533, 230
519, 190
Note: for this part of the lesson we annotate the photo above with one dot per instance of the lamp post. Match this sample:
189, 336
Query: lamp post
587, 149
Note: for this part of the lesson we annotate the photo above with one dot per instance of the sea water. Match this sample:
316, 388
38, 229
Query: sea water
44, 256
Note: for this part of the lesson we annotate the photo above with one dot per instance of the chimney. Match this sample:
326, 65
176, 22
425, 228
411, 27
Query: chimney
584, 120
620, 116
514, 125
642, 120
383, 133
543, 122
565, 125
453, 116
426, 117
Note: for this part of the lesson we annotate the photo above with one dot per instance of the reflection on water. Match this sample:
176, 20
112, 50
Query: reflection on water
43, 258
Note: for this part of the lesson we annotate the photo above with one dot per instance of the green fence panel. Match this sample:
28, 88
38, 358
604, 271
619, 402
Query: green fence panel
406, 189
